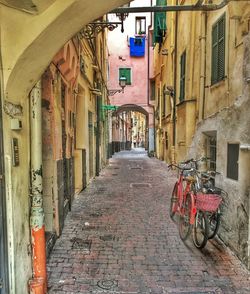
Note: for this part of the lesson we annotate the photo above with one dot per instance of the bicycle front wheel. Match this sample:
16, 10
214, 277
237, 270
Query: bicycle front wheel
184, 221
174, 201
200, 230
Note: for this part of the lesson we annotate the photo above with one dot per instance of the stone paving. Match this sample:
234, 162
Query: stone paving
119, 238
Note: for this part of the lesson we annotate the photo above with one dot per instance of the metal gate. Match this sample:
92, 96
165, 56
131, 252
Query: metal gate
84, 169
64, 142
3, 248
91, 144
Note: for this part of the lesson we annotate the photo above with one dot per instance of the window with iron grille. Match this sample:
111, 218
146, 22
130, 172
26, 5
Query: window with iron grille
212, 153
182, 76
152, 87
140, 25
163, 101
233, 161
218, 50
125, 72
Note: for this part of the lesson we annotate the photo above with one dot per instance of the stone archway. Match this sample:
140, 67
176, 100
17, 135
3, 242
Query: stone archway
132, 107
28, 50
149, 117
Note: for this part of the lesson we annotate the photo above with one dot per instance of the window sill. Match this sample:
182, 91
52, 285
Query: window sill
143, 35
218, 84
185, 101
233, 180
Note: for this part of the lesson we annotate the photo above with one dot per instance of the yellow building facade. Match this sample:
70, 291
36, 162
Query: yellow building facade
201, 69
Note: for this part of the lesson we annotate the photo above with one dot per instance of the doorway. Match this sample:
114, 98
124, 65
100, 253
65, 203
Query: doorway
91, 144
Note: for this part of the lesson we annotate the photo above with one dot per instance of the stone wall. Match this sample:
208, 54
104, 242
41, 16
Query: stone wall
231, 125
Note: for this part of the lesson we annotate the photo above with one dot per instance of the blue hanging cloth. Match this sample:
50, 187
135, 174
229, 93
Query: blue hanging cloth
137, 46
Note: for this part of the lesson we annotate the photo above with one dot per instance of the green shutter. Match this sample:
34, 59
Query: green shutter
125, 72
214, 53
182, 76
159, 23
218, 51
221, 49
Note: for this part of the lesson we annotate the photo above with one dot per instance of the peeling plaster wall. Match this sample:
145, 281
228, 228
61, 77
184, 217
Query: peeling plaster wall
18, 203
232, 126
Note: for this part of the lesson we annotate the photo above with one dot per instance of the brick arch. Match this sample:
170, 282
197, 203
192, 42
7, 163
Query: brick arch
131, 107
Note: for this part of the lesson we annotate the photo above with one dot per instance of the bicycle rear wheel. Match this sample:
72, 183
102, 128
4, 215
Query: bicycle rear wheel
174, 201
214, 220
200, 230
184, 221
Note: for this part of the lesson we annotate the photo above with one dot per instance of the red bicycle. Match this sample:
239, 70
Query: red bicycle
183, 200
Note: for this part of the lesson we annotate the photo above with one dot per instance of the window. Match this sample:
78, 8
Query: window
163, 101
140, 25
166, 140
218, 50
182, 76
82, 66
125, 72
212, 152
232, 161
152, 88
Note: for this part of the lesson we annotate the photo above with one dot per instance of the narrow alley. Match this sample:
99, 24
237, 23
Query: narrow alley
119, 238
97, 99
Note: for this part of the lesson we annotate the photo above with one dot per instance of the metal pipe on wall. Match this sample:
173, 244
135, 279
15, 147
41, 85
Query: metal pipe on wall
38, 285
175, 78
203, 39
196, 7
148, 84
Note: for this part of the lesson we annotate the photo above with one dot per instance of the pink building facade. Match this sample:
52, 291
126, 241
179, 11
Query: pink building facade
129, 57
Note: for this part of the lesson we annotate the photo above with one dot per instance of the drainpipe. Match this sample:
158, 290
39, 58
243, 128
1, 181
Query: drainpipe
98, 133
148, 88
203, 66
38, 285
175, 86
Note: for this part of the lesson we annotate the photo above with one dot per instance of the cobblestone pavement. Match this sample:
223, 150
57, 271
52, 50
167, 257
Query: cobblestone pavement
119, 238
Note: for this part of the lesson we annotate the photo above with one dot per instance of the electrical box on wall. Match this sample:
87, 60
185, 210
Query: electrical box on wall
15, 124
15, 152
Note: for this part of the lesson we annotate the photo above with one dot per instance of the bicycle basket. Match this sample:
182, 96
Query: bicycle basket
208, 202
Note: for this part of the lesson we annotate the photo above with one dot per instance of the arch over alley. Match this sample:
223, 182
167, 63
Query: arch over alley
129, 121
132, 107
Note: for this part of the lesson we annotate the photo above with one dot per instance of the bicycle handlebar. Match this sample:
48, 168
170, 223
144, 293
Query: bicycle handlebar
181, 168
195, 160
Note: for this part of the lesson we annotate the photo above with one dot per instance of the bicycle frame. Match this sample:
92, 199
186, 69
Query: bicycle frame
182, 194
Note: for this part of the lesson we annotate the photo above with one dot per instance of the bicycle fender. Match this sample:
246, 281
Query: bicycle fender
193, 210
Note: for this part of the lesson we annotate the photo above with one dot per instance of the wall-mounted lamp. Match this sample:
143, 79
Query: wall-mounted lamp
169, 91
122, 83
123, 16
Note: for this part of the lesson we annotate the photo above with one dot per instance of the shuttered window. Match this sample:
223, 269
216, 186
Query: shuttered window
182, 76
159, 23
218, 50
233, 161
125, 72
